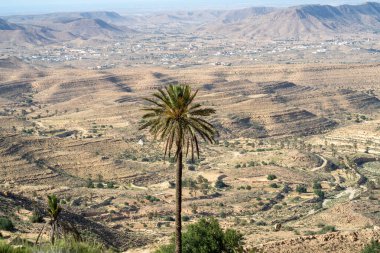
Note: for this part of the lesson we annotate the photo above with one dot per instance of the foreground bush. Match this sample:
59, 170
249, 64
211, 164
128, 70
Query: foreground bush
6, 224
372, 247
5, 248
206, 236
73, 246
63, 246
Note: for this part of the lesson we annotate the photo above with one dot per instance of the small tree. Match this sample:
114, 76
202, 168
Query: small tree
54, 210
206, 236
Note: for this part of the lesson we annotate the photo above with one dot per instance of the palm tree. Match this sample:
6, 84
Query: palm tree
175, 119
54, 210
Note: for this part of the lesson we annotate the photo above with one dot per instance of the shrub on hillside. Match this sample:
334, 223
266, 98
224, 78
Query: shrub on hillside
317, 185
6, 224
206, 236
36, 217
220, 184
110, 185
327, 229
274, 185
271, 177
319, 193
301, 189
372, 247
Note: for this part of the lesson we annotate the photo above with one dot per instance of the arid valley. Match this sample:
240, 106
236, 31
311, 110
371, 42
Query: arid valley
296, 166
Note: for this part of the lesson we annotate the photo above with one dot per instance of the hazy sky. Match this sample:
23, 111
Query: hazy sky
8, 7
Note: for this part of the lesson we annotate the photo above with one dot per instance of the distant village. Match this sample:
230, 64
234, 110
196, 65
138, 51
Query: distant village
181, 50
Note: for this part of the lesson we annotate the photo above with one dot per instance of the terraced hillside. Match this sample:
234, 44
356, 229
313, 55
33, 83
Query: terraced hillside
283, 129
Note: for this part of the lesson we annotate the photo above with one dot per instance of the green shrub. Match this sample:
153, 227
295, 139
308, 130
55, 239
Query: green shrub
169, 218
372, 247
271, 177
287, 189
152, 198
327, 229
6, 224
110, 185
301, 189
90, 183
36, 217
206, 236
274, 185
220, 184
100, 185
185, 218
319, 193
317, 185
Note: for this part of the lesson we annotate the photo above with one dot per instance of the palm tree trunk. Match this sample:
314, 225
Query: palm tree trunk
52, 233
178, 225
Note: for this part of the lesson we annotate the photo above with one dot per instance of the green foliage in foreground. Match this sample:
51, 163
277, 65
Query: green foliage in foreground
206, 236
6, 224
5, 248
372, 247
62, 246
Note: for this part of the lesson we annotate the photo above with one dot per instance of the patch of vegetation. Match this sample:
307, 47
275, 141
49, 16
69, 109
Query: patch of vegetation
274, 185
110, 185
220, 184
301, 189
206, 236
152, 198
271, 177
317, 185
327, 229
6, 224
6, 248
90, 183
324, 229
61, 246
36, 217
319, 193
372, 247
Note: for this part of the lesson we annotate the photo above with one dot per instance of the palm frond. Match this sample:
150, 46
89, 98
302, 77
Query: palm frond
174, 118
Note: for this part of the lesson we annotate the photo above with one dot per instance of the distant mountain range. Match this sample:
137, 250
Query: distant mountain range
60, 27
300, 22
306, 22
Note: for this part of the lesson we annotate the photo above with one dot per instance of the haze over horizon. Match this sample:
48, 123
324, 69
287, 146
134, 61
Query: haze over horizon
45, 6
